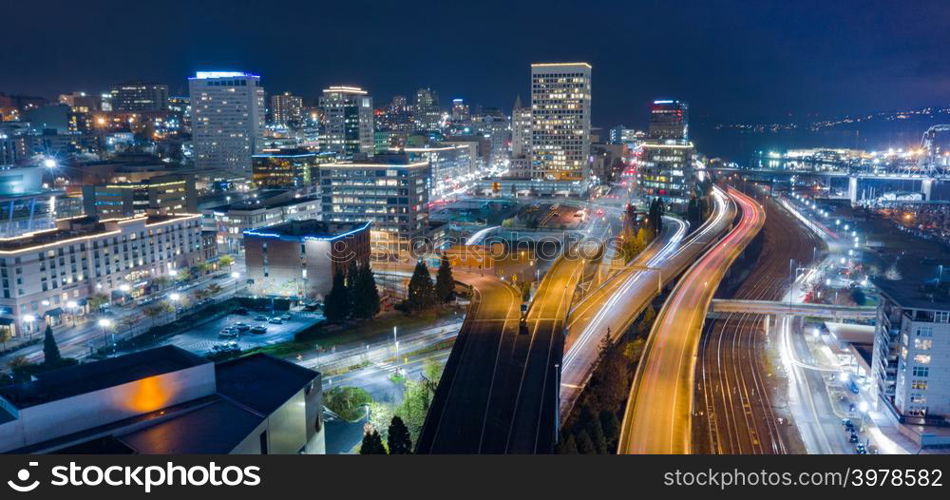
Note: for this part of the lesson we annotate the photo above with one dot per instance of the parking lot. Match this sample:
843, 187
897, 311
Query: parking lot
202, 339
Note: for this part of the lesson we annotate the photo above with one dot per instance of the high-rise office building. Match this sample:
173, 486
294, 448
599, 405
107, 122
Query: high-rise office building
520, 130
669, 120
560, 130
347, 121
666, 167
139, 96
286, 108
227, 119
460, 111
426, 110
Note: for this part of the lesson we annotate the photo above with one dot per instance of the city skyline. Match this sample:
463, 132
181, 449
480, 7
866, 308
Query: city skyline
808, 58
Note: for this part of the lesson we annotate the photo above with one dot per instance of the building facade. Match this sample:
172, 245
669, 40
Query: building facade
285, 168
227, 119
391, 192
669, 120
451, 165
286, 108
347, 121
162, 194
230, 222
561, 120
139, 96
299, 258
48, 274
911, 357
666, 171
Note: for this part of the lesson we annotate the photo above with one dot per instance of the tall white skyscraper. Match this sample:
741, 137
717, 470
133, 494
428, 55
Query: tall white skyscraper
560, 130
347, 121
227, 109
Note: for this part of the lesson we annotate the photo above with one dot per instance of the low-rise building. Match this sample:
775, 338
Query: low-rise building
231, 220
299, 258
164, 194
166, 401
49, 274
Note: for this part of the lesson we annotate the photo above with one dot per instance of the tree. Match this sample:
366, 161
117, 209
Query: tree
365, 294
50, 349
226, 260
611, 427
347, 402
372, 444
336, 305
421, 293
584, 445
568, 446
98, 300
399, 440
597, 437
444, 282
5, 336
352, 273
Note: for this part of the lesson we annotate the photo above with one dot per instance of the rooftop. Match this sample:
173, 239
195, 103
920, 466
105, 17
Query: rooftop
80, 379
261, 382
78, 227
913, 294
215, 428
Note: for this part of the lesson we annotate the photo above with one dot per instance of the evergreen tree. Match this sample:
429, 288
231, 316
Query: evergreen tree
611, 427
399, 440
597, 437
444, 282
50, 349
366, 296
568, 446
372, 444
336, 304
352, 292
421, 291
584, 445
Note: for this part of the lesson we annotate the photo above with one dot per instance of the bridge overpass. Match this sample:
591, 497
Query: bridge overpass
727, 306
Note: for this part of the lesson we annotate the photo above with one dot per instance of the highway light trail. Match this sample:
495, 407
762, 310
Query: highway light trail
658, 417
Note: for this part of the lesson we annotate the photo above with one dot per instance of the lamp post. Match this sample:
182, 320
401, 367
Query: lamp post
29, 320
106, 325
175, 297
235, 275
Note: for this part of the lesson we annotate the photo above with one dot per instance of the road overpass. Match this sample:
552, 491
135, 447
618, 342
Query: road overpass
772, 307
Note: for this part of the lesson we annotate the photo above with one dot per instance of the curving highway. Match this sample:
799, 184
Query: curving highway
617, 303
658, 417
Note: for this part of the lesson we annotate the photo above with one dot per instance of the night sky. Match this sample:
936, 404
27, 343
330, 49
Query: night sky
733, 60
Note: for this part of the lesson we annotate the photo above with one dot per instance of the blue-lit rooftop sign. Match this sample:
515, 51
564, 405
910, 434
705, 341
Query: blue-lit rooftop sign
260, 233
204, 75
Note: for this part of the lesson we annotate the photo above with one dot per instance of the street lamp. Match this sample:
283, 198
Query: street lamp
106, 325
29, 320
175, 297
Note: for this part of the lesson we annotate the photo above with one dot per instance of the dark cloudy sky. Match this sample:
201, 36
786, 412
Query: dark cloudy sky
733, 60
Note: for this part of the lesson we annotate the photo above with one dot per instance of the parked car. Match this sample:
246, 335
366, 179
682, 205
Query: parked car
286, 316
241, 326
259, 329
227, 333
853, 438
276, 321
260, 317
